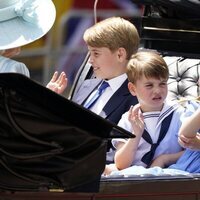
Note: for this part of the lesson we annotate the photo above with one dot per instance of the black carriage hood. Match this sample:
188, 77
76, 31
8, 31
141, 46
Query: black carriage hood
48, 142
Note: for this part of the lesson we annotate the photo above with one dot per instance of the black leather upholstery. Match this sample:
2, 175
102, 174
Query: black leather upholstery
184, 79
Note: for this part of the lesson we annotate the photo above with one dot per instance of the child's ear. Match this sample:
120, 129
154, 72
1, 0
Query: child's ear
131, 88
122, 54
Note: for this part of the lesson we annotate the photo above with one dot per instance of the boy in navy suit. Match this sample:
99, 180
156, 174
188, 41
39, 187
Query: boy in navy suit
111, 42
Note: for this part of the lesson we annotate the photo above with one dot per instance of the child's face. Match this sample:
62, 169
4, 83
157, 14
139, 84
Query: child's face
150, 92
106, 64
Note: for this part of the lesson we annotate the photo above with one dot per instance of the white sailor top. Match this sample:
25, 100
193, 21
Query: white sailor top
153, 121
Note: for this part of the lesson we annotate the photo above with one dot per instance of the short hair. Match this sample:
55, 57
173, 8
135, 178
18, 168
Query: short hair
147, 63
113, 33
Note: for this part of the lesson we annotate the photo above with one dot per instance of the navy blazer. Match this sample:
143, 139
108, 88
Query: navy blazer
117, 105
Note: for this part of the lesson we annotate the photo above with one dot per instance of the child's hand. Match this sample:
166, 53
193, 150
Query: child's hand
166, 160
191, 143
136, 119
58, 84
160, 161
109, 168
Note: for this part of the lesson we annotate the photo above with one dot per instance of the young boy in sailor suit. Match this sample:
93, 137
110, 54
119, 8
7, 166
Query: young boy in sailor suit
148, 74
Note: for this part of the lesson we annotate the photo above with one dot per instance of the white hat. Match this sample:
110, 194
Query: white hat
24, 21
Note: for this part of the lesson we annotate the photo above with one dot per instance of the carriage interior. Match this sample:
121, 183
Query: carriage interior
176, 35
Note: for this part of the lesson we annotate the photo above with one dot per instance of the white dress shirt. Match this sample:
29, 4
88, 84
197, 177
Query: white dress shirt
114, 85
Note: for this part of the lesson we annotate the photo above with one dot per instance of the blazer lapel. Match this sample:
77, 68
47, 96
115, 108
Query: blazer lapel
115, 101
85, 90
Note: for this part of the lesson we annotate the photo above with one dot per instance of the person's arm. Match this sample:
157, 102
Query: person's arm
165, 160
125, 153
191, 125
188, 133
191, 143
58, 84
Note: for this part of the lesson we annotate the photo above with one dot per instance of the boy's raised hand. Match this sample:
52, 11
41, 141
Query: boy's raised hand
58, 84
136, 119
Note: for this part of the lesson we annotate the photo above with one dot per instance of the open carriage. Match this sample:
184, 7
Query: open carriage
164, 28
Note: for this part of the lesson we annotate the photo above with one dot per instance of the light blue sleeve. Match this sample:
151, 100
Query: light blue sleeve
8, 65
21, 69
190, 107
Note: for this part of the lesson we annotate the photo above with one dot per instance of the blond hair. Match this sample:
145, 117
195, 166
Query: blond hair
147, 63
113, 33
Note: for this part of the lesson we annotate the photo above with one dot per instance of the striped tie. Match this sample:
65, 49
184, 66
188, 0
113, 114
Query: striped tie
95, 95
